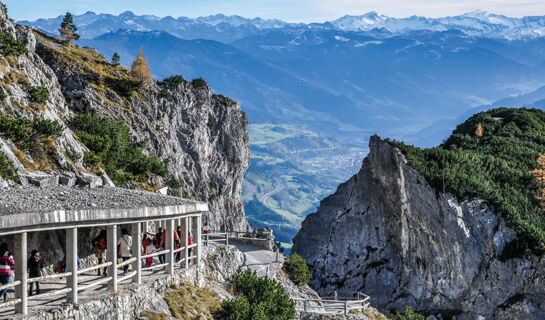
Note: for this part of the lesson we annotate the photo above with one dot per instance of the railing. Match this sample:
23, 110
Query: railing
223, 237
334, 302
71, 288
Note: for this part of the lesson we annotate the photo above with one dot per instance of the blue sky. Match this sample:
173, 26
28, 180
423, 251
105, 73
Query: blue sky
289, 10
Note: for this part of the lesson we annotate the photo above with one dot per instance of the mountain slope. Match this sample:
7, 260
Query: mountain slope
391, 232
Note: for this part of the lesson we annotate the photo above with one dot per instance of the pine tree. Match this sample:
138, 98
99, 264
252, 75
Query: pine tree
480, 131
540, 179
68, 28
140, 70
115, 59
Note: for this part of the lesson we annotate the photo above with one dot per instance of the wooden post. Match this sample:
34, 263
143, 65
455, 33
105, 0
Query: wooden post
335, 294
137, 251
71, 256
198, 238
346, 307
186, 241
226, 238
20, 248
306, 305
112, 255
170, 246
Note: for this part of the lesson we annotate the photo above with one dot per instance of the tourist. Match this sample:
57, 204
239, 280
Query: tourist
60, 266
35, 266
206, 231
178, 243
160, 245
164, 240
99, 249
6, 264
125, 243
189, 243
149, 248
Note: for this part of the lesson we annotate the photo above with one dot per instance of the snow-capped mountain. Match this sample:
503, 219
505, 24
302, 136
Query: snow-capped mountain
216, 27
475, 23
229, 28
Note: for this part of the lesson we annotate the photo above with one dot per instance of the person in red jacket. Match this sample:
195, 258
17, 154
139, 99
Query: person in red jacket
6, 264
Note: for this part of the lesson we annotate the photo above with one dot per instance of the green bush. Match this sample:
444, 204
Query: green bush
109, 143
199, 83
26, 132
297, 269
11, 47
409, 315
256, 299
495, 167
39, 94
123, 87
165, 94
7, 171
173, 80
3, 94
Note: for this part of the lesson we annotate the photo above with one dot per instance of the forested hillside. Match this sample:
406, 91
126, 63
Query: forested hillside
491, 156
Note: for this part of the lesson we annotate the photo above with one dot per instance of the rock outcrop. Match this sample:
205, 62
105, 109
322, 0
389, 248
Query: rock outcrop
387, 233
201, 137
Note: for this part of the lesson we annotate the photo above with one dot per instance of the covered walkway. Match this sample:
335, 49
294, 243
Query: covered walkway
25, 210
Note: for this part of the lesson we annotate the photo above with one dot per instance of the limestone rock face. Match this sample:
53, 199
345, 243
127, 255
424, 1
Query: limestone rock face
201, 137
387, 233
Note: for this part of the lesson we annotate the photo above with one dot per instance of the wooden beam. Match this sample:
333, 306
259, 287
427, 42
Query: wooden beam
21, 272
137, 251
71, 257
111, 254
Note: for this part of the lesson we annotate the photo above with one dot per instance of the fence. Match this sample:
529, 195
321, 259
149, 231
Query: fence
112, 262
256, 239
334, 302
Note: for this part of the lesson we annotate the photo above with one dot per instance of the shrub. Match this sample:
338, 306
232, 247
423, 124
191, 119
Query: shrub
297, 269
199, 83
11, 47
123, 87
173, 80
39, 94
409, 315
109, 143
3, 94
495, 166
7, 171
165, 94
257, 299
26, 132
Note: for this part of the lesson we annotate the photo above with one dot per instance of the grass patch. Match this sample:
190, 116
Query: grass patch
189, 302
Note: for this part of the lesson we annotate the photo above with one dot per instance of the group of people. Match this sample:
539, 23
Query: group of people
35, 264
149, 245
7, 263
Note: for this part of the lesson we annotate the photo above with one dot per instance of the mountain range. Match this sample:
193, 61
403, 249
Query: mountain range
228, 28
314, 93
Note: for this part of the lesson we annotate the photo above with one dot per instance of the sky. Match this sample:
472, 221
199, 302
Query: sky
288, 10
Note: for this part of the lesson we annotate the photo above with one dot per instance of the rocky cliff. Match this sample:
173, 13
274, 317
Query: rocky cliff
200, 137
389, 234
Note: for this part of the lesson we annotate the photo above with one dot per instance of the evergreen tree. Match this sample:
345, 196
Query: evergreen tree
140, 70
68, 28
115, 59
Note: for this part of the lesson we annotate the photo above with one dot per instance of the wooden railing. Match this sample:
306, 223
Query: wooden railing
334, 302
113, 279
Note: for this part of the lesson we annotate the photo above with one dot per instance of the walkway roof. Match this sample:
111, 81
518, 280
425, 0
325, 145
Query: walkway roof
33, 209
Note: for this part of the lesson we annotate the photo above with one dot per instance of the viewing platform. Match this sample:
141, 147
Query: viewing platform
27, 209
